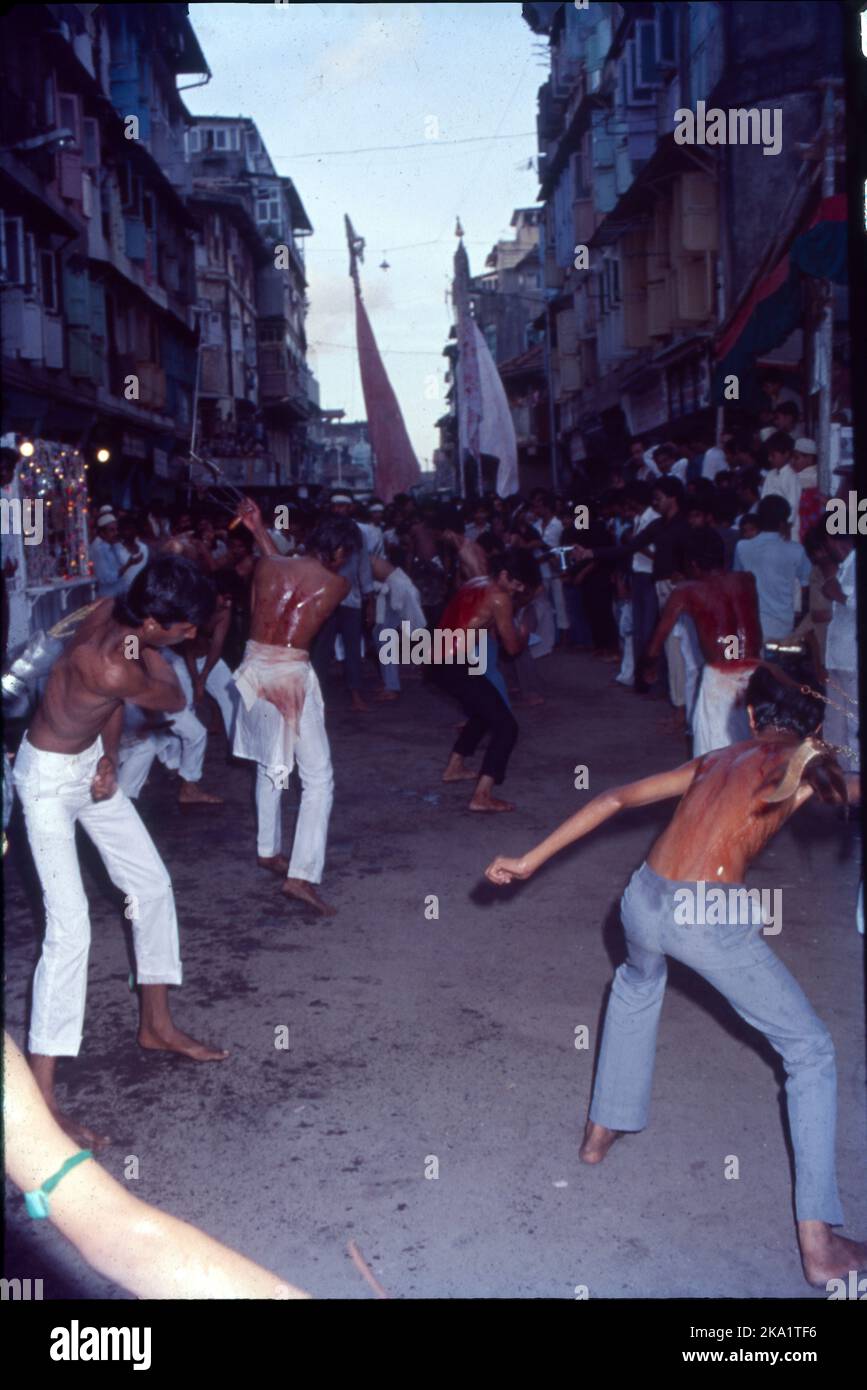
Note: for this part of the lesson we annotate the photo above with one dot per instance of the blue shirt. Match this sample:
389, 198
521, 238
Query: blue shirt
779, 567
107, 563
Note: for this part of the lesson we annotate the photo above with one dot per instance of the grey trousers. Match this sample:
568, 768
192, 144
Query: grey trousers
737, 961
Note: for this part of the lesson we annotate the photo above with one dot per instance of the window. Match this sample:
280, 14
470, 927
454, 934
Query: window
13, 253
220, 138
194, 140
130, 191
234, 138
69, 114
149, 211
252, 142
48, 277
90, 155
50, 104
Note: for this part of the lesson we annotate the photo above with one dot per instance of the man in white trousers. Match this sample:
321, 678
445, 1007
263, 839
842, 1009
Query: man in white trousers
66, 774
281, 718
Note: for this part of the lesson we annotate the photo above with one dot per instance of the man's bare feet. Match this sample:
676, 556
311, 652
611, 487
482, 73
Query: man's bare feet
305, 892
171, 1039
484, 801
385, 696
597, 1141
276, 864
191, 794
825, 1255
357, 705
80, 1134
457, 771
43, 1067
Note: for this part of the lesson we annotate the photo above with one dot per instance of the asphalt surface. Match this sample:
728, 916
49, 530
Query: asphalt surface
413, 1038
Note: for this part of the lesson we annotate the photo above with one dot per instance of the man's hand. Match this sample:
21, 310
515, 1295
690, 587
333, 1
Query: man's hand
104, 784
831, 589
505, 870
198, 690
581, 553
250, 515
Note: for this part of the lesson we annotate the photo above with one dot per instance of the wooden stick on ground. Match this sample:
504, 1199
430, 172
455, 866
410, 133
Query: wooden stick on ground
365, 1270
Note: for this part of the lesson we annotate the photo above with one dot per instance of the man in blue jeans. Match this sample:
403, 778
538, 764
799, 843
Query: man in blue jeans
732, 802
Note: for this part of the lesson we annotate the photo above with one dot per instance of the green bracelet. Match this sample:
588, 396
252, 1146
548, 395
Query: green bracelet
37, 1201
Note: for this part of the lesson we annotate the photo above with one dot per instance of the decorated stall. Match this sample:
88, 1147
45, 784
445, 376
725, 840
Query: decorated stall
45, 537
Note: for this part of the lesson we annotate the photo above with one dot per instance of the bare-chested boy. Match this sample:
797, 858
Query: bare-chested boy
486, 603
732, 802
281, 719
65, 774
724, 609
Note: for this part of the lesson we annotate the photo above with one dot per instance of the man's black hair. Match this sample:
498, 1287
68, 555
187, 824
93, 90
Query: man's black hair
772, 512
814, 541
170, 590
669, 487
332, 534
788, 408
705, 549
781, 704
226, 581
519, 564
780, 442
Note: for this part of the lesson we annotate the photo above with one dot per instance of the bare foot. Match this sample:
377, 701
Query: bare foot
173, 1040
191, 794
306, 893
276, 864
385, 696
357, 705
825, 1255
457, 770
80, 1134
597, 1142
484, 801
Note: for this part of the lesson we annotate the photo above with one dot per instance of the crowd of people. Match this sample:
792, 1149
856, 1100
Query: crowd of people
705, 574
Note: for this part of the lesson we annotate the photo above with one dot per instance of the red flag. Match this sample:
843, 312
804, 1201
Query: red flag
396, 464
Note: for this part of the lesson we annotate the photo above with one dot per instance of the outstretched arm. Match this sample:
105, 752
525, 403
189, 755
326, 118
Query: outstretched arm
152, 1254
659, 787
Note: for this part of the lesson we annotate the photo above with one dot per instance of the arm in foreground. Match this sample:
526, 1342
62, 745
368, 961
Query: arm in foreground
144, 1250
660, 787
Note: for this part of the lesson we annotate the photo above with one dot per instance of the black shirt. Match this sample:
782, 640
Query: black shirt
670, 539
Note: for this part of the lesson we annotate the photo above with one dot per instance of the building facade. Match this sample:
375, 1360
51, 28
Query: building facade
651, 247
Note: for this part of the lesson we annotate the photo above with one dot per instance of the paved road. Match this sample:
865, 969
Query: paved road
412, 1040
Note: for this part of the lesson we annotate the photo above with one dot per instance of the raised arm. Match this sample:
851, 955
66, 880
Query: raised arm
250, 515
660, 787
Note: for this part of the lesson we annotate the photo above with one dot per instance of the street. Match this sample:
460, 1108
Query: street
431, 1098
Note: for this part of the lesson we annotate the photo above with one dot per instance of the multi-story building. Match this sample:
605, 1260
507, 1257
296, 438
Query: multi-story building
230, 164
96, 271
650, 246
98, 332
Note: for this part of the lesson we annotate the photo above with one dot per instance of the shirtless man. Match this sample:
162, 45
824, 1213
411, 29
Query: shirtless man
65, 773
281, 719
732, 803
721, 607
486, 603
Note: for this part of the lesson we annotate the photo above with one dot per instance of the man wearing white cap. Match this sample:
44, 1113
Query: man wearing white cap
109, 566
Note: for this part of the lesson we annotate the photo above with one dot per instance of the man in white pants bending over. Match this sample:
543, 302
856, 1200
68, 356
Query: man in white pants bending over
281, 719
66, 773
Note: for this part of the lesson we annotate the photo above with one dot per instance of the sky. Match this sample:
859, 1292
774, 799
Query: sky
324, 78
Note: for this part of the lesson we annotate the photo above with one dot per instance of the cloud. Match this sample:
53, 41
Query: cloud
332, 313
387, 32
